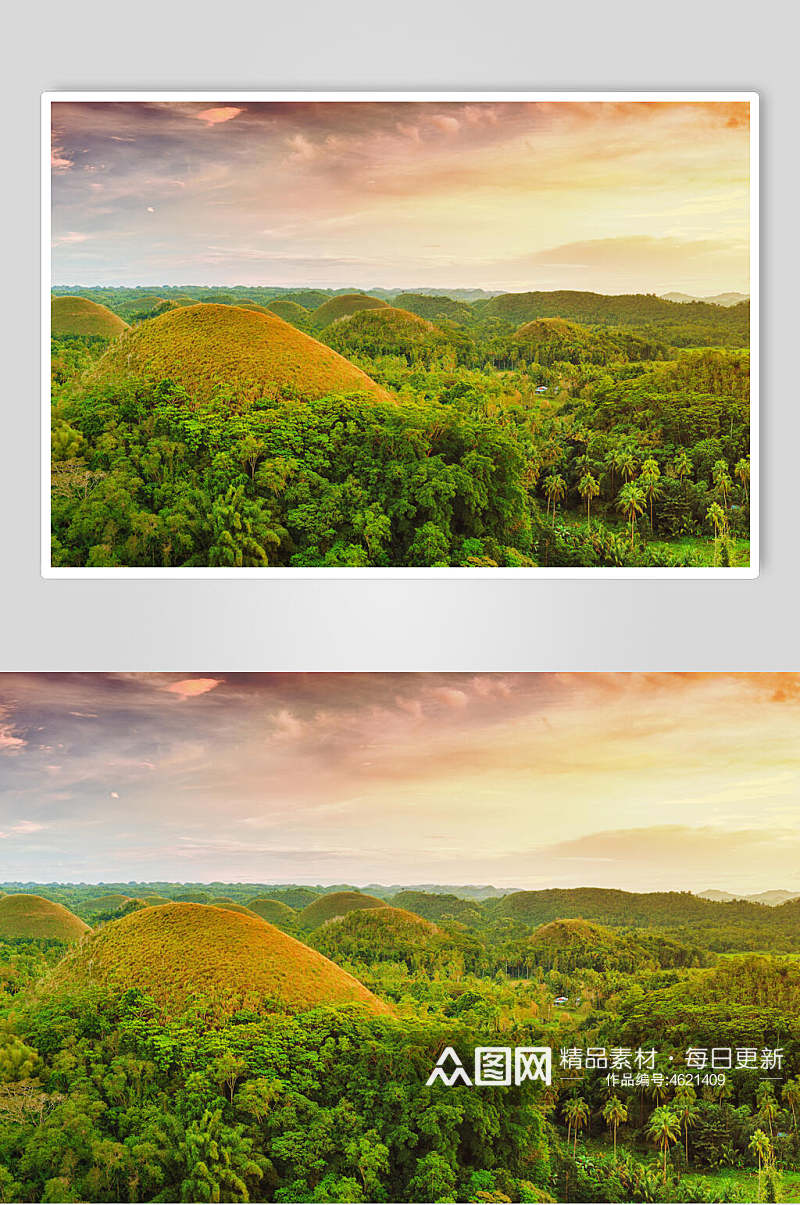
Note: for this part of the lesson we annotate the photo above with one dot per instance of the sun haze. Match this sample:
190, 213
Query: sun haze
613, 197
520, 780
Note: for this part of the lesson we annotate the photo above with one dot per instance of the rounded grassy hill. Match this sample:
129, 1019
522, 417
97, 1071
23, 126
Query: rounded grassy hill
207, 348
79, 316
550, 340
342, 306
385, 332
273, 911
436, 308
371, 935
109, 902
567, 945
178, 953
439, 907
289, 311
232, 906
337, 903
33, 916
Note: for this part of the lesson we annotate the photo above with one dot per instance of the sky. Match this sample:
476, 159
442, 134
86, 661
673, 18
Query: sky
608, 197
641, 782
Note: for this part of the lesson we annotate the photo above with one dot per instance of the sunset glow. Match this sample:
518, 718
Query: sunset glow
519, 780
613, 197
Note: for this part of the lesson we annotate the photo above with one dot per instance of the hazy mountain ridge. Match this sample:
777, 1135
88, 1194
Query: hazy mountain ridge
717, 298
772, 899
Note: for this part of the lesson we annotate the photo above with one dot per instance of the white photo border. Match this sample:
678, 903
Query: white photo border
533, 573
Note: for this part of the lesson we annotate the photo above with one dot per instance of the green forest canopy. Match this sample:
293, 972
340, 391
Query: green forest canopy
119, 1087
613, 433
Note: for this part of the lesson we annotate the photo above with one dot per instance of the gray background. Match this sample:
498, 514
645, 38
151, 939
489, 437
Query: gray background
397, 624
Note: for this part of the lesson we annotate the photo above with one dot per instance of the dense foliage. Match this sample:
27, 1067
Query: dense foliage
620, 443
105, 1098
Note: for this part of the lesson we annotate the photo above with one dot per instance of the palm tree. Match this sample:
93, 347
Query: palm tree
716, 515
614, 1113
760, 1145
612, 461
791, 1096
626, 463
649, 479
742, 471
576, 1112
555, 487
682, 467
722, 480
588, 489
767, 1105
631, 502
664, 1128
685, 1106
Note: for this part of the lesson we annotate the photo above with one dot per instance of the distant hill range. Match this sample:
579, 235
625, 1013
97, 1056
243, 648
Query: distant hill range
719, 321
717, 299
772, 898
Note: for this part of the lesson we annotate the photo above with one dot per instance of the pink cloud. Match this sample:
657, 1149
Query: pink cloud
190, 688
287, 726
450, 697
302, 149
58, 159
27, 826
70, 237
215, 117
448, 125
9, 740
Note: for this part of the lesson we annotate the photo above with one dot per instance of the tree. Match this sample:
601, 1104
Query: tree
433, 1180
760, 1146
241, 531
650, 480
250, 451
588, 489
631, 502
663, 1127
370, 1157
791, 1096
614, 1114
576, 1112
722, 480
218, 1161
767, 1105
742, 472
685, 1105
228, 1070
613, 462
682, 467
716, 516
626, 462
17, 1061
555, 487
256, 1097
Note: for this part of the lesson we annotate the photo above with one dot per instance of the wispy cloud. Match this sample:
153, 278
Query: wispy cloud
522, 779
218, 116
191, 688
10, 739
448, 193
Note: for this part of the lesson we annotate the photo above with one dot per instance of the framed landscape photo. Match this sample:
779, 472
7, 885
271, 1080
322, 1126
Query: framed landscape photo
480, 938
382, 334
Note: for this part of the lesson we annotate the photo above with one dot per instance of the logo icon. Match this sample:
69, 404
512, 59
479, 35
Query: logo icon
495, 1067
